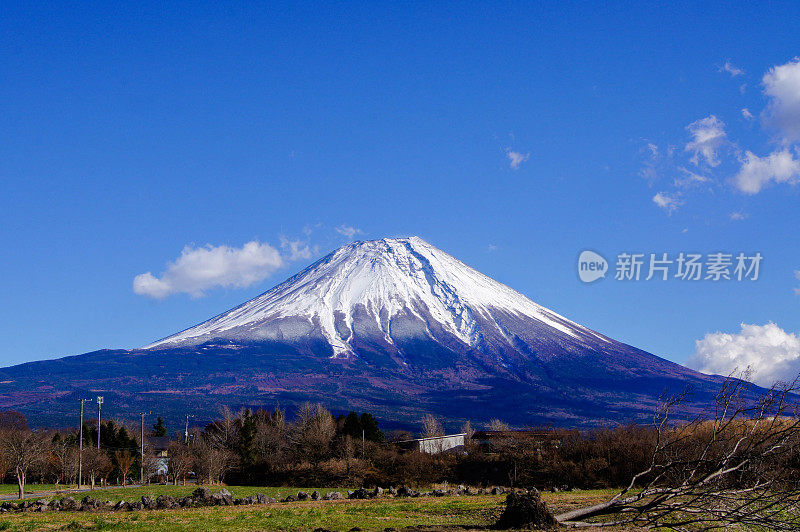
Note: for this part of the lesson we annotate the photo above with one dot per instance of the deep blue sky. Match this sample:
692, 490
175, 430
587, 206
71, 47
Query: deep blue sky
129, 132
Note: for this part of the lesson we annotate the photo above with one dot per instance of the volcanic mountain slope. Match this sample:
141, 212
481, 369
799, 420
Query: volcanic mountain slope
394, 326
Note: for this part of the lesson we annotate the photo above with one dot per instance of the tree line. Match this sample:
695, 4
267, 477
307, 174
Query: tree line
314, 447
738, 463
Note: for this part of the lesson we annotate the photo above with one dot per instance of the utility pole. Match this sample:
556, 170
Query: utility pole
363, 444
99, 405
141, 456
80, 446
186, 430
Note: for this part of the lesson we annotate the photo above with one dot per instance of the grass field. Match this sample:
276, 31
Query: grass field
475, 511
11, 489
136, 493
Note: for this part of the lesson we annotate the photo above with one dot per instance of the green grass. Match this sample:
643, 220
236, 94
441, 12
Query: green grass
334, 515
11, 489
478, 511
136, 493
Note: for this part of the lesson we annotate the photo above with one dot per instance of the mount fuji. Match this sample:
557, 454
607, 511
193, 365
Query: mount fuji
394, 326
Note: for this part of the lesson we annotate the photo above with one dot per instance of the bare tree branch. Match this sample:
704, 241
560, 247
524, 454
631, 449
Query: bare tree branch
722, 469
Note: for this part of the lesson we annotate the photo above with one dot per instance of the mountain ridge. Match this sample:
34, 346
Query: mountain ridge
394, 326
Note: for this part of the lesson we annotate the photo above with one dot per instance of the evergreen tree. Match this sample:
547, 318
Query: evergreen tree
352, 426
159, 430
370, 427
247, 434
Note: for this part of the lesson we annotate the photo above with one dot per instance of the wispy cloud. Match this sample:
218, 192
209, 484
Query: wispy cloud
688, 178
667, 202
738, 216
710, 146
348, 231
767, 350
708, 136
298, 249
731, 69
516, 158
797, 276
654, 161
198, 269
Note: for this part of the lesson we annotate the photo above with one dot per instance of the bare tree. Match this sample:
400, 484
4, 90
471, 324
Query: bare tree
313, 432
468, 432
4, 467
125, 461
96, 463
346, 450
225, 429
497, 425
212, 460
151, 463
180, 461
270, 438
63, 461
12, 420
431, 427
721, 470
23, 450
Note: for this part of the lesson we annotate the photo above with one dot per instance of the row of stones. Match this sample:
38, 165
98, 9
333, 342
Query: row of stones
204, 497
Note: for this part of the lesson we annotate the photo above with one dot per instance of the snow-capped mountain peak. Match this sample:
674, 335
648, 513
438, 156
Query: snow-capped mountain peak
386, 282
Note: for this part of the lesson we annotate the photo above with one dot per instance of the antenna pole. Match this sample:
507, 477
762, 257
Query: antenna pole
186, 430
141, 456
99, 406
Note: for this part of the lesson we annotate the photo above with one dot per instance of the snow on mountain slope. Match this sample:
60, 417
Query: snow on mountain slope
382, 279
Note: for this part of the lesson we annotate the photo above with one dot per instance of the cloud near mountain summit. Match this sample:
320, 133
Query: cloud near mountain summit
201, 268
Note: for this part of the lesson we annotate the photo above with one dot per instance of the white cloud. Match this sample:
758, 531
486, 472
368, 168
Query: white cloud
649, 174
731, 69
516, 158
738, 216
656, 161
298, 249
202, 268
770, 352
797, 276
492, 248
708, 136
747, 114
779, 166
782, 86
666, 202
348, 230
689, 178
